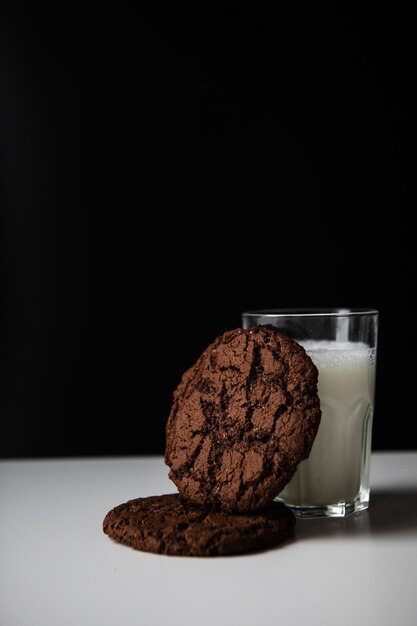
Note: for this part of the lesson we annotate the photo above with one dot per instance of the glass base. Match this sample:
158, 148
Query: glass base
339, 509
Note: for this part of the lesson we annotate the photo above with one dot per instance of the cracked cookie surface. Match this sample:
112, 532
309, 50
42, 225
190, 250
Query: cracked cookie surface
242, 419
169, 525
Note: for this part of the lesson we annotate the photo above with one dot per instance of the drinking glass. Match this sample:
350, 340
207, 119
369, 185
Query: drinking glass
334, 480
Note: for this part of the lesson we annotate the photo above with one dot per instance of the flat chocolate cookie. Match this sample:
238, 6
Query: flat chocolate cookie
243, 418
169, 525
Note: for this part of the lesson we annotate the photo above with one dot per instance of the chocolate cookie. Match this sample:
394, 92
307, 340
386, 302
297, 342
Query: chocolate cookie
243, 418
169, 525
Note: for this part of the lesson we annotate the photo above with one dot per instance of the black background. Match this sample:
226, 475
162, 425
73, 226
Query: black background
163, 171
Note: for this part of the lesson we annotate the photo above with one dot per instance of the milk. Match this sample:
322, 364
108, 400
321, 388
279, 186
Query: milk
337, 470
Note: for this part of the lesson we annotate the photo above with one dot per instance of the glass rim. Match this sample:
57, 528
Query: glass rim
311, 312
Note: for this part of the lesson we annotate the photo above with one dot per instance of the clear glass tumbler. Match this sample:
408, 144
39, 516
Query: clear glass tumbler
334, 480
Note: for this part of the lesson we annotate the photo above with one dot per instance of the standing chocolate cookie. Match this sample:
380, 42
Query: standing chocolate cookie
169, 525
243, 418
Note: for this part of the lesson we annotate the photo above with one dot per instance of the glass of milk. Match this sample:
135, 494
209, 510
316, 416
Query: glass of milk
334, 480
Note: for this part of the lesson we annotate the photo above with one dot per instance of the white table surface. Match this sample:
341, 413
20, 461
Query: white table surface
57, 567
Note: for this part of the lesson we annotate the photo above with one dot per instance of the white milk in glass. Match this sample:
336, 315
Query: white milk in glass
337, 470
